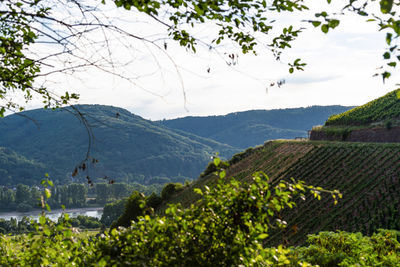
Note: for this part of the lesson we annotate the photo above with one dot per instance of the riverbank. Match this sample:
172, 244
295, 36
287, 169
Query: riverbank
54, 214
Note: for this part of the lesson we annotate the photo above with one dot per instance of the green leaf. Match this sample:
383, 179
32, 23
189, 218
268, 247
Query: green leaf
386, 55
217, 161
325, 28
198, 191
47, 193
398, 94
386, 6
42, 219
262, 236
316, 23
389, 38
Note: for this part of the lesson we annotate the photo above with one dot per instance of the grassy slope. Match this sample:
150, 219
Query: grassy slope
383, 108
366, 173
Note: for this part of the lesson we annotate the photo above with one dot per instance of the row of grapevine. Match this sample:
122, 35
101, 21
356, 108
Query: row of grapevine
368, 177
380, 109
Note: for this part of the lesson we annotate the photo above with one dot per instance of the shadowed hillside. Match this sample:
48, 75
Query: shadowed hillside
251, 128
128, 147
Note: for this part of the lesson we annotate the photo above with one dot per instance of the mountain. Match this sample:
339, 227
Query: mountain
126, 146
367, 175
251, 128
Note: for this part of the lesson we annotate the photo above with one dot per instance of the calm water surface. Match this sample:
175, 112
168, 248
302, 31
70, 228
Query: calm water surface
54, 214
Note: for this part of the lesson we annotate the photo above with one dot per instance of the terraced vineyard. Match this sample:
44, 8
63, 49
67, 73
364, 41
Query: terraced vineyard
366, 173
385, 107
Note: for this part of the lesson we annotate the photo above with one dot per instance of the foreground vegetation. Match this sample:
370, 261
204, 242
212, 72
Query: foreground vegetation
227, 226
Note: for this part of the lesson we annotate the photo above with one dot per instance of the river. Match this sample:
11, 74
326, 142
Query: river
54, 214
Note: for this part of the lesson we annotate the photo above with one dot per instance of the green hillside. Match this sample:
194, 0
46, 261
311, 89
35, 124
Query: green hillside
367, 174
251, 128
128, 147
384, 108
18, 169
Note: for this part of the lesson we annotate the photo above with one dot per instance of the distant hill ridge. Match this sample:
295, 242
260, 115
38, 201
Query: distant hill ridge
128, 147
254, 127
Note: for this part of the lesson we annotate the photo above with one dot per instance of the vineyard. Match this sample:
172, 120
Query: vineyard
367, 174
381, 109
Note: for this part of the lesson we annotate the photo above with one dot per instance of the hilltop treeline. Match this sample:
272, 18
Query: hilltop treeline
25, 198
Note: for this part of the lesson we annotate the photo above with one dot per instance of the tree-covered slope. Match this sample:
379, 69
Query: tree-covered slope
15, 168
367, 174
250, 128
127, 146
384, 108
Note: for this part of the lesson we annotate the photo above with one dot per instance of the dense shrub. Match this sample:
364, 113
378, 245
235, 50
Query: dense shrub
135, 206
153, 201
352, 249
112, 211
226, 227
211, 167
170, 189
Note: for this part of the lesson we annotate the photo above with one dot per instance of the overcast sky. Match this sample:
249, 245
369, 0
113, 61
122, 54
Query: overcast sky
176, 83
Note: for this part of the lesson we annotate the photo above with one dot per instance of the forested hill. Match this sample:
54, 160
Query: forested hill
250, 128
127, 146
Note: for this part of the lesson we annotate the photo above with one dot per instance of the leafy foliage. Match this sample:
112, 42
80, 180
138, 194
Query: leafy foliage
226, 227
352, 249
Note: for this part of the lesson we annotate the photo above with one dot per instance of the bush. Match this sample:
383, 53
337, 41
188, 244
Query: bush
170, 189
135, 206
352, 249
153, 201
113, 211
211, 167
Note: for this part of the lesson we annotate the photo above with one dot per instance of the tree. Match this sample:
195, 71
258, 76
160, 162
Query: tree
69, 27
135, 206
23, 194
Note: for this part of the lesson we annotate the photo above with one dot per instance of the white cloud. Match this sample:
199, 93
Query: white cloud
339, 71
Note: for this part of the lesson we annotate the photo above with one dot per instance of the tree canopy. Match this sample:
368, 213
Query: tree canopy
66, 29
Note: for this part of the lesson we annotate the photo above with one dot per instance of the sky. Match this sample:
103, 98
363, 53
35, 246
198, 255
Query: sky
165, 84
